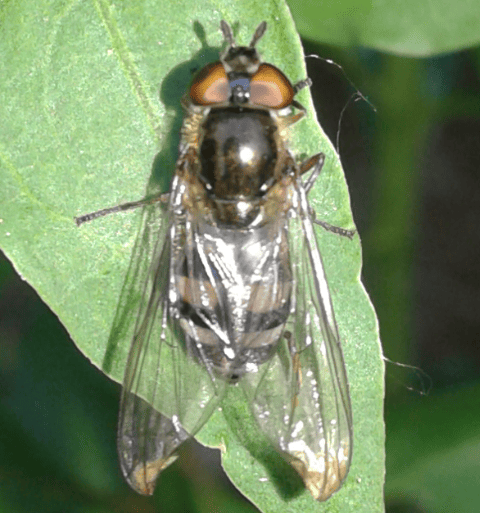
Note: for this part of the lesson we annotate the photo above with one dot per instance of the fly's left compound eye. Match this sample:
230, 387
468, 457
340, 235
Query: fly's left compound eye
271, 88
210, 86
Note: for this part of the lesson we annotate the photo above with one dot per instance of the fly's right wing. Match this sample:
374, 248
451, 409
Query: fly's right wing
300, 397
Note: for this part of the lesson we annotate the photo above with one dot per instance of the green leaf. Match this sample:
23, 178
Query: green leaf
406, 27
91, 91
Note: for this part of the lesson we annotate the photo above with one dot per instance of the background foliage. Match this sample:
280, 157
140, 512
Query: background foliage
412, 174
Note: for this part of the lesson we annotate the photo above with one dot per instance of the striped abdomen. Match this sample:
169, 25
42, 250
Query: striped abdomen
233, 295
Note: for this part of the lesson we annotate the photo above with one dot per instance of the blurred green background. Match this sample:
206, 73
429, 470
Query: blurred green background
411, 157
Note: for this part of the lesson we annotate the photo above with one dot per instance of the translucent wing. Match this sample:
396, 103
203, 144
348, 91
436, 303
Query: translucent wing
300, 397
167, 396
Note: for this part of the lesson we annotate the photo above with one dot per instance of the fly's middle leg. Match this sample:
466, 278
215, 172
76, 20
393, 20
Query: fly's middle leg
316, 162
86, 218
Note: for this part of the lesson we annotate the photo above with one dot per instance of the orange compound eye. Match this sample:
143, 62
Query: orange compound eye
271, 88
210, 85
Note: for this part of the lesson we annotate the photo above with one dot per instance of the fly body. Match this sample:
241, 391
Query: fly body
237, 293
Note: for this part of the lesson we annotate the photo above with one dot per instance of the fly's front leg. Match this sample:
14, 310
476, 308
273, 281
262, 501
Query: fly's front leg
298, 87
316, 162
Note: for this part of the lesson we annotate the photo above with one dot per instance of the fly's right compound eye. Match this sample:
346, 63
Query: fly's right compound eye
270, 88
210, 86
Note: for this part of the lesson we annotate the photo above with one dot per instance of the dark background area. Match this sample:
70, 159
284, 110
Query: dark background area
412, 165
442, 242
411, 160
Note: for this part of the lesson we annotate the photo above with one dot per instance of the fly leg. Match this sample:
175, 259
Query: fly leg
184, 164
163, 198
316, 162
298, 87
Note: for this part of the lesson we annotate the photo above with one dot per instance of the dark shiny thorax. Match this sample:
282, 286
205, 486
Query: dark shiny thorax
238, 152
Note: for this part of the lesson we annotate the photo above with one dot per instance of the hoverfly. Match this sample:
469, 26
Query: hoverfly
237, 292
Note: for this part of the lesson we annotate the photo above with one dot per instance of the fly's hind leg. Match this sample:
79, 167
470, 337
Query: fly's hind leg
316, 162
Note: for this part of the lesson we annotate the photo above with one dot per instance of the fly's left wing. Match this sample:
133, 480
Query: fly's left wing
167, 396
300, 397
